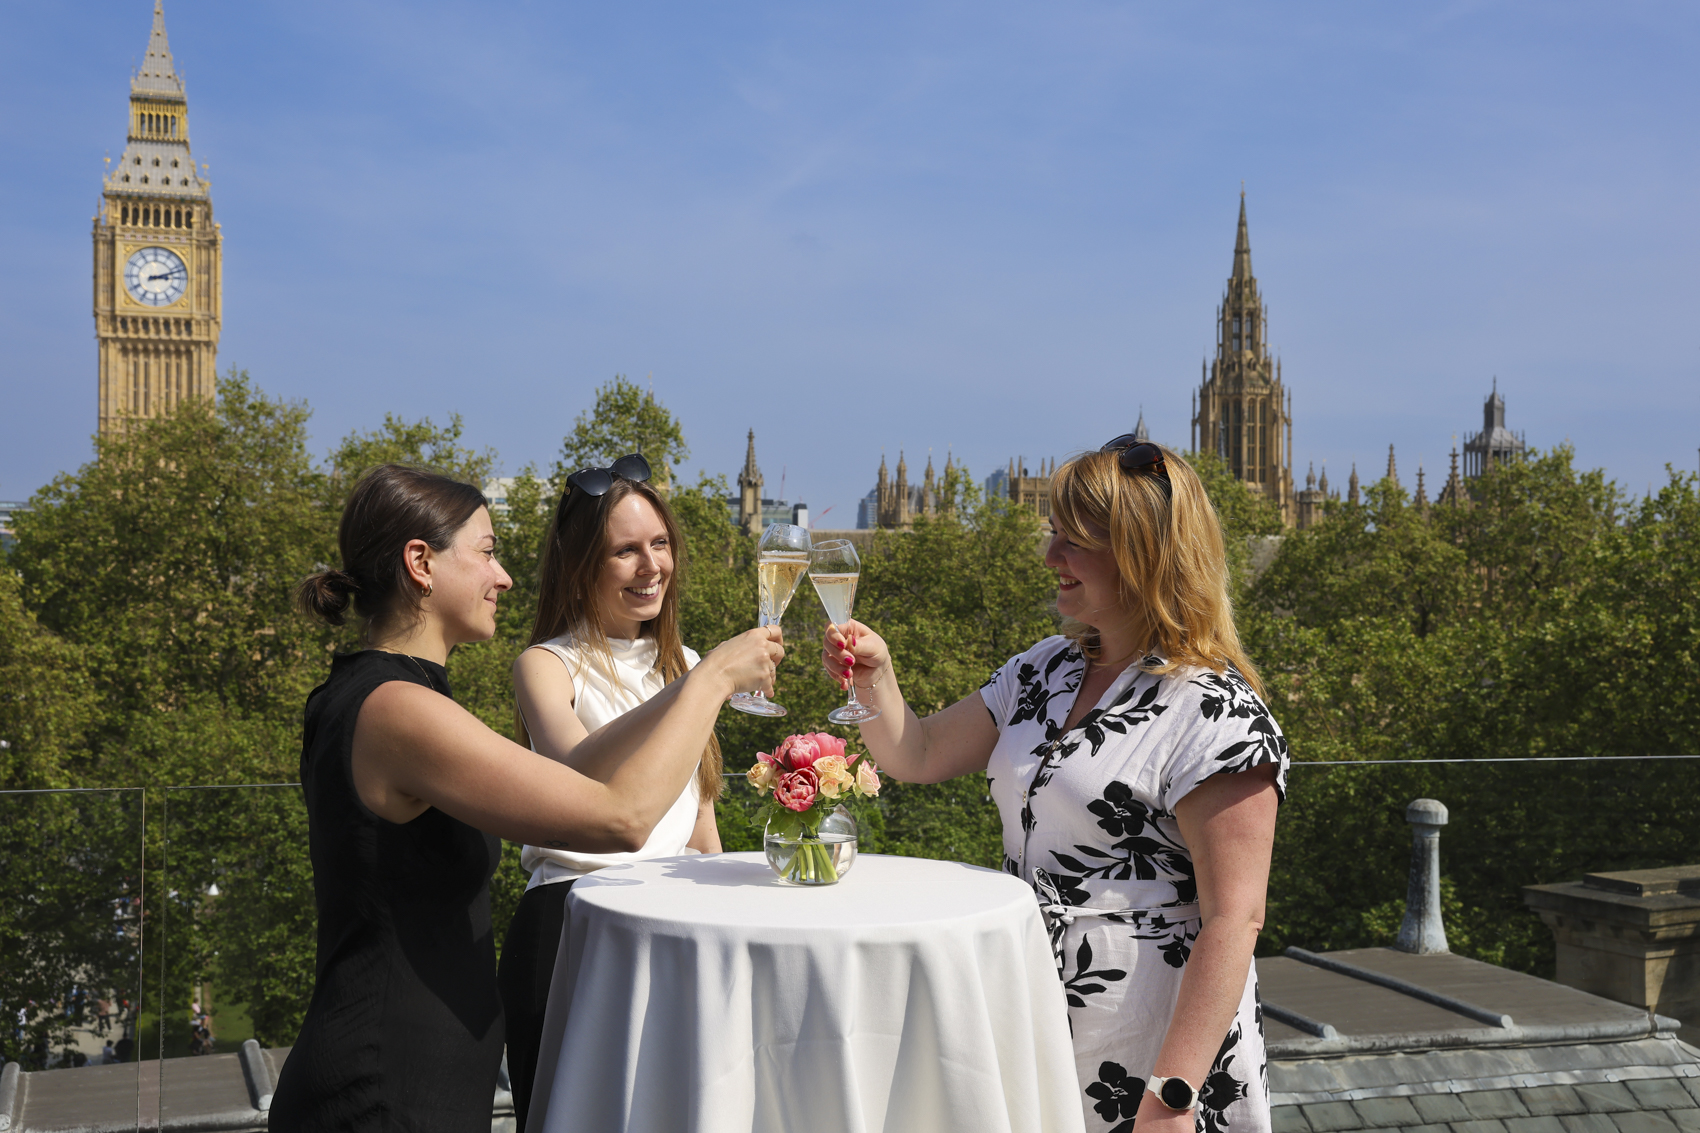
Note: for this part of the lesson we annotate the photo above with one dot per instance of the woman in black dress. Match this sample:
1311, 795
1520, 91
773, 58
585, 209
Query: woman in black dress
408, 795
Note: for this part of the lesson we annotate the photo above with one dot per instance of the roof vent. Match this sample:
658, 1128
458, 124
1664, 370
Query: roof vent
1422, 931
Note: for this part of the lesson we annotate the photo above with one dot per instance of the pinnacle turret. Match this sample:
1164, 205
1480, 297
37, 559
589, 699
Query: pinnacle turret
750, 472
1242, 245
1392, 467
1352, 485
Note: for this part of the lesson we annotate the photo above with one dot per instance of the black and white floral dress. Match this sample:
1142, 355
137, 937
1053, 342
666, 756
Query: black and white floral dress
1088, 821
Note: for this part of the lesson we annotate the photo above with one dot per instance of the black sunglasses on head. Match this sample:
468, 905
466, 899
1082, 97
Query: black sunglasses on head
1136, 456
597, 481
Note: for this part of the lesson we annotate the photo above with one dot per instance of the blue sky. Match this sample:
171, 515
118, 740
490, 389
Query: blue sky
1001, 228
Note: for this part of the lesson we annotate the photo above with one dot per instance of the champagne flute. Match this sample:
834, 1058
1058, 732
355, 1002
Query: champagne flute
782, 557
834, 568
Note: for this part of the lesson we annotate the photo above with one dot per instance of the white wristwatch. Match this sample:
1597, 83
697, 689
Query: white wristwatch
1176, 1093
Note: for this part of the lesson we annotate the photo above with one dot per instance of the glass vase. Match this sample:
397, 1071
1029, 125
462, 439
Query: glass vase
813, 857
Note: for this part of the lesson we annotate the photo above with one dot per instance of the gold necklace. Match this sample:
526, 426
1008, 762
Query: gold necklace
416, 665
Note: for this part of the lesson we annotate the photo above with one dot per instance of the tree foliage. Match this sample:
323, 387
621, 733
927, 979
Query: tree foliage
626, 418
1546, 617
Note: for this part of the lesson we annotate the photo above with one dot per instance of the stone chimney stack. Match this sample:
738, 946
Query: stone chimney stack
1422, 931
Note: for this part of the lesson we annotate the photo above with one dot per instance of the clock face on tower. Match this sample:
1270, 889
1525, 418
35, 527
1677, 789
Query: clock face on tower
156, 277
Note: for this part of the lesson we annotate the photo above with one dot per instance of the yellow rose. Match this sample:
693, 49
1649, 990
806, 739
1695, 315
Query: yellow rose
762, 775
867, 777
835, 778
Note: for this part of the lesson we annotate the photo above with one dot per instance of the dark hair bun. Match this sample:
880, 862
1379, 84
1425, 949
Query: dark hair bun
326, 595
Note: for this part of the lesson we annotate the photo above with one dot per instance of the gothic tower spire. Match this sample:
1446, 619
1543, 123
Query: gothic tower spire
1242, 410
749, 491
1352, 484
1242, 246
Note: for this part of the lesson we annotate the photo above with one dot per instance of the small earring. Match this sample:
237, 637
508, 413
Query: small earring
426, 593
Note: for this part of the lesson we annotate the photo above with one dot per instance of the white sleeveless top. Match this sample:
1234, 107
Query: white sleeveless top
597, 700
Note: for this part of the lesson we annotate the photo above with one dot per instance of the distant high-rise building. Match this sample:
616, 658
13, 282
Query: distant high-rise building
1241, 411
158, 256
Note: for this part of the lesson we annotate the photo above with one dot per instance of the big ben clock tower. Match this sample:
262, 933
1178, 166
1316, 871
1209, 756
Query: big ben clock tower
158, 256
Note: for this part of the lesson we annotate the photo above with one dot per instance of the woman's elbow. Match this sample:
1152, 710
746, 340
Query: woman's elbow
1238, 922
628, 833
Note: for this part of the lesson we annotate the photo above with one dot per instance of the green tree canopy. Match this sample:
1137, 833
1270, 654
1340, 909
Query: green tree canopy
626, 418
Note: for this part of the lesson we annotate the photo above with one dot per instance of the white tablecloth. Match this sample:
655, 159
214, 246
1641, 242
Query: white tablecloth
701, 994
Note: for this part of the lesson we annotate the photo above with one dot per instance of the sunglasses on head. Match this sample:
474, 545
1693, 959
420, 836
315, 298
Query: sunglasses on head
597, 481
1136, 456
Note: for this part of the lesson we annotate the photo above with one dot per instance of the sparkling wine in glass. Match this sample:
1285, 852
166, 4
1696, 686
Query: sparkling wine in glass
834, 568
782, 558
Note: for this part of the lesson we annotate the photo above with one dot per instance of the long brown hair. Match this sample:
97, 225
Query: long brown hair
392, 505
1169, 553
569, 595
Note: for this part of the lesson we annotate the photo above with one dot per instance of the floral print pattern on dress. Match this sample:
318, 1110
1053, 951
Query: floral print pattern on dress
1089, 821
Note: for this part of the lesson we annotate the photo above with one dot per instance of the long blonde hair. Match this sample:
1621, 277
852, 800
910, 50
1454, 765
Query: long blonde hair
1169, 553
569, 596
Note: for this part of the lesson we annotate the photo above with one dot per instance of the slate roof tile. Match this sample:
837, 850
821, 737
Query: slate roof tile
1687, 1120
1494, 1103
1378, 1113
1327, 1117
1440, 1107
1659, 1093
1544, 1124
1644, 1121
1288, 1119
1607, 1097
1587, 1123
1486, 1125
1551, 1100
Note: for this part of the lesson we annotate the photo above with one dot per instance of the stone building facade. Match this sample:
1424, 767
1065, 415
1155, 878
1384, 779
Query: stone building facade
1242, 411
898, 503
158, 256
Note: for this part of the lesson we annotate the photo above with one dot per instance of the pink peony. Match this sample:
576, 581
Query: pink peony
804, 749
867, 777
797, 790
764, 774
834, 775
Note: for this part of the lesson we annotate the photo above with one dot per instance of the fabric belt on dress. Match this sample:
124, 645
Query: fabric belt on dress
1058, 915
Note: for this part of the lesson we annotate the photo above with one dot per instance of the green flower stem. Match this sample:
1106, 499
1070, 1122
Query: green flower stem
812, 862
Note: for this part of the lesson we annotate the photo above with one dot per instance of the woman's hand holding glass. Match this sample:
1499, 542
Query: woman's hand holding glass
854, 654
749, 661
835, 568
782, 558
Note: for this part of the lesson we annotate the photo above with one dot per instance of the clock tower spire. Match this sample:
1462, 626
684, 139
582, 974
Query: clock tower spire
158, 255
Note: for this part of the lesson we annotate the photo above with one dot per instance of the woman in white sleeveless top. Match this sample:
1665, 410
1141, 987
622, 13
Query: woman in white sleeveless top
606, 640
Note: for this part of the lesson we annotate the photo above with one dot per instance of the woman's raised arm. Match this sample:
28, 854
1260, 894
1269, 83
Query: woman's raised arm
414, 749
952, 742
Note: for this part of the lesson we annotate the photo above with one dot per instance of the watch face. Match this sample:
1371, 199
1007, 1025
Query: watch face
1176, 1094
156, 277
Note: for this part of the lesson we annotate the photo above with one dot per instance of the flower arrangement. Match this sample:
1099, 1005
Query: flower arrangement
804, 780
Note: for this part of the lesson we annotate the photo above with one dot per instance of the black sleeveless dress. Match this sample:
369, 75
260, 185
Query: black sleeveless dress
404, 1030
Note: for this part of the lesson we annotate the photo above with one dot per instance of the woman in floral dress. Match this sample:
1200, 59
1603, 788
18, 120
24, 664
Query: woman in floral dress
1138, 772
